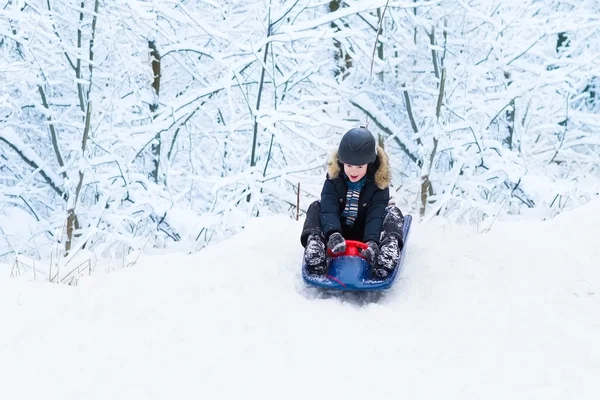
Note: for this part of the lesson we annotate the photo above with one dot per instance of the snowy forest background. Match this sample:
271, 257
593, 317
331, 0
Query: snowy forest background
128, 125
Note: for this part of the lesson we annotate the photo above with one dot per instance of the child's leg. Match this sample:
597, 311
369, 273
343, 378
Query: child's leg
391, 242
313, 242
312, 223
392, 225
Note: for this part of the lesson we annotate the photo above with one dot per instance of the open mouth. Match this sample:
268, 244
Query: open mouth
353, 176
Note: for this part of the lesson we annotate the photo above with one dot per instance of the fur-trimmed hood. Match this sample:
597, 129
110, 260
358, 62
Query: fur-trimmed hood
382, 175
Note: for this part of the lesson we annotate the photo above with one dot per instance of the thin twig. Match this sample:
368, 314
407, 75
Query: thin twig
377, 36
298, 202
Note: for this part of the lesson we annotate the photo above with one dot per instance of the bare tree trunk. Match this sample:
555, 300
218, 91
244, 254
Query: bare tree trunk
411, 116
434, 58
343, 60
298, 202
72, 221
78, 66
91, 49
53, 136
562, 41
415, 30
156, 145
85, 104
510, 118
258, 98
510, 115
426, 187
379, 43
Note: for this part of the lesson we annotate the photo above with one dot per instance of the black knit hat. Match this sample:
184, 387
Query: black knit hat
357, 147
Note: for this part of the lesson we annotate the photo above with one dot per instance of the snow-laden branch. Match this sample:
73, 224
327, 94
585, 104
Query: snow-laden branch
357, 8
567, 144
183, 48
365, 104
29, 156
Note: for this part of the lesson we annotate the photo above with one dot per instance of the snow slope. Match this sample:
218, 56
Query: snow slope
514, 313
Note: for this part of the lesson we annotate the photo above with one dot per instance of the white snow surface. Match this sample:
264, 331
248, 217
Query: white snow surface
511, 314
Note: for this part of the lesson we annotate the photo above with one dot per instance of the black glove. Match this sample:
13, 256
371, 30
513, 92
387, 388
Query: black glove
371, 252
336, 243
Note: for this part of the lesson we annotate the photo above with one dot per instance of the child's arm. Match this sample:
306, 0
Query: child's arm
330, 209
374, 218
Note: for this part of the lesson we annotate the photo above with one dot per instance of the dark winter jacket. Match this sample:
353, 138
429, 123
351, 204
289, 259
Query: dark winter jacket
374, 197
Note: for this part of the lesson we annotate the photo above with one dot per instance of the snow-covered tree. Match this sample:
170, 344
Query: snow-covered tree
127, 125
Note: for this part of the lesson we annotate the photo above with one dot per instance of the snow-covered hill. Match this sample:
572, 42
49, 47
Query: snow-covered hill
512, 314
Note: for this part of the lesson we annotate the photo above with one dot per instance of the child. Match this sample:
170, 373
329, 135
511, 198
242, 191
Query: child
354, 206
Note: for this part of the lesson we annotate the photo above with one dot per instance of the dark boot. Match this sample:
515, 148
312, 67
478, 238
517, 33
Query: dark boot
391, 243
314, 256
312, 240
389, 254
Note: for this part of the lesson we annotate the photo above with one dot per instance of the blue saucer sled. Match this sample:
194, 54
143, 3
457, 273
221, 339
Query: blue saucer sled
351, 272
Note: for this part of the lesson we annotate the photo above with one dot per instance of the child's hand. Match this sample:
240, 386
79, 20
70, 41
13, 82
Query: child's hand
371, 252
336, 243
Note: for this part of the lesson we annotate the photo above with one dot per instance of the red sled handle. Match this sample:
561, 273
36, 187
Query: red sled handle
352, 249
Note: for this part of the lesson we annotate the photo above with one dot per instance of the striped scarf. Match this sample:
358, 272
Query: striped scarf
352, 196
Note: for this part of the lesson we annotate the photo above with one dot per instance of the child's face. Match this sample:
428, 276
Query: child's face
355, 172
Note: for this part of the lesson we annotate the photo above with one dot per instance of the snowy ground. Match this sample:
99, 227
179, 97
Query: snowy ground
513, 314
